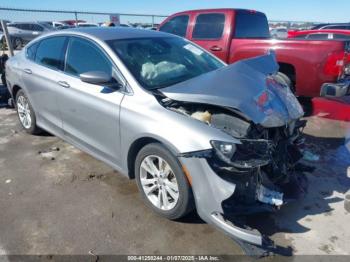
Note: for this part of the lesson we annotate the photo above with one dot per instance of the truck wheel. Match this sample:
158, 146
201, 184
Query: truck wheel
162, 183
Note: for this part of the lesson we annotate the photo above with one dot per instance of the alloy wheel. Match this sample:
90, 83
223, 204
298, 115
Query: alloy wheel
24, 113
159, 182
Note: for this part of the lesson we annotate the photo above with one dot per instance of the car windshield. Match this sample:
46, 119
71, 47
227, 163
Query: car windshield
160, 62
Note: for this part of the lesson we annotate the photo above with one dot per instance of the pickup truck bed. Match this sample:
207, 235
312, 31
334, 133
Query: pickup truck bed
304, 61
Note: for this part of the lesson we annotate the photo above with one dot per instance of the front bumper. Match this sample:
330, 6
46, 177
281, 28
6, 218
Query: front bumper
210, 191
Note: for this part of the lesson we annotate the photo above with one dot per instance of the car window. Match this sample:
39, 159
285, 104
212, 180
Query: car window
209, 26
19, 26
318, 36
341, 37
31, 51
50, 52
35, 27
251, 24
25, 26
176, 25
84, 56
335, 27
300, 36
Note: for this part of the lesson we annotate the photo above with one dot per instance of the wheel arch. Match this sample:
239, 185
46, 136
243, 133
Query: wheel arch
14, 92
137, 145
289, 70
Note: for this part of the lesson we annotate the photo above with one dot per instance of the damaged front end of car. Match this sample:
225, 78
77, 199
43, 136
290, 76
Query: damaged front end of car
259, 171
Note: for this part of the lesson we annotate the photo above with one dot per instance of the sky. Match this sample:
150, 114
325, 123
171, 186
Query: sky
291, 10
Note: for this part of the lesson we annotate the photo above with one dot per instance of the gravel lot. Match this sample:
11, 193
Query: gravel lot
66, 202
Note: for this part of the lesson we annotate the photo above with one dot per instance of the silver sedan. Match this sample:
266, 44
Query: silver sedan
194, 132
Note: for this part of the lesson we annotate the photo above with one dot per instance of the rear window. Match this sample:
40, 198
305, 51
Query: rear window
318, 37
176, 25
341, 27
49, 53
341, 37
209, 26
31, 51
250, 24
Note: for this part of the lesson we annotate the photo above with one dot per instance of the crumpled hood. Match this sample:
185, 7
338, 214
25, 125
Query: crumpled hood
248, 86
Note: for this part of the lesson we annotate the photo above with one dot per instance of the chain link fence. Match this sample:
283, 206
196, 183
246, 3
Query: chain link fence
69, 18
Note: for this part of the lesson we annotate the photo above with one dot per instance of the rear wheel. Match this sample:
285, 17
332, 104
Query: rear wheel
26, 113
17, 43
162, 183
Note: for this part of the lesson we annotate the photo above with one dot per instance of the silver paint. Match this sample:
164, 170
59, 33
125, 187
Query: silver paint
107, 125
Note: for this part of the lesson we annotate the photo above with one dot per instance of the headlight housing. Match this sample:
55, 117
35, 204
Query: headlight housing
224, 150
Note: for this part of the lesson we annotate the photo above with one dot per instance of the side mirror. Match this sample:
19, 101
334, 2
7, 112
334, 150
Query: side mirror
95, 77
99, 78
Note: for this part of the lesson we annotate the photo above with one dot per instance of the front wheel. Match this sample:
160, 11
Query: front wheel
26, 113
162, 182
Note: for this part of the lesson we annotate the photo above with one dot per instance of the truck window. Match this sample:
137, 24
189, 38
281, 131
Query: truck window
250, 24
209, 26
176, 25
318, 37
341, 37
340, 27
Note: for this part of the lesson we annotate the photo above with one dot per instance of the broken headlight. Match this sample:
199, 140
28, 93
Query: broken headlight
224, 150
251, 153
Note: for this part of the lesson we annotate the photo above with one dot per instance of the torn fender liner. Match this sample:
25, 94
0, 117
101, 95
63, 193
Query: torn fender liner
248, 86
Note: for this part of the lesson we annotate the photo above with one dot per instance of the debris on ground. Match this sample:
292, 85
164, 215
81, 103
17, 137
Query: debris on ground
49, 153
93, 176
8, 181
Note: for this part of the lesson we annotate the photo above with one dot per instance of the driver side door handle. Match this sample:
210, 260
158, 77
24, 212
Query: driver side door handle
215, 48
28, 71
64, 84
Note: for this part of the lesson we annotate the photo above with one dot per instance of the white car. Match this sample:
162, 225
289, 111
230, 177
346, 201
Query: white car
280, 33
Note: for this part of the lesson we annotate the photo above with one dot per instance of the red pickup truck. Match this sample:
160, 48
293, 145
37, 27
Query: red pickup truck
235, 34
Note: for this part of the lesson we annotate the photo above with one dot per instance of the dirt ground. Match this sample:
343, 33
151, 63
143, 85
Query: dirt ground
55, 199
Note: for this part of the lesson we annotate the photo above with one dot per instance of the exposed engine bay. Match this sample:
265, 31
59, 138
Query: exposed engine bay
259, 169
264, 166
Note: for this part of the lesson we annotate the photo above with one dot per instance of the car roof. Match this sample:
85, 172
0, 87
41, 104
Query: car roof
112, 33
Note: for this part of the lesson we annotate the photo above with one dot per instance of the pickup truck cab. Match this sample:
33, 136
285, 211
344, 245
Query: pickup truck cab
313, 67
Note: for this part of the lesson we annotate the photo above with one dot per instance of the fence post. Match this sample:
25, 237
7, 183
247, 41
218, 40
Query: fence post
7, 37
76, 18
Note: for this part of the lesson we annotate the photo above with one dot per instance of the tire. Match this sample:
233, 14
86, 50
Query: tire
17, 43
184, 203
26, 114
3, 79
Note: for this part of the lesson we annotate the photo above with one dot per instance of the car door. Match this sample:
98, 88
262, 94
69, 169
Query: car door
36, 30
90, 112
208, 32
41, 72
26, 33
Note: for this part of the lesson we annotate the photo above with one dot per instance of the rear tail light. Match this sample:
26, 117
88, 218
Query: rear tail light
336, 63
